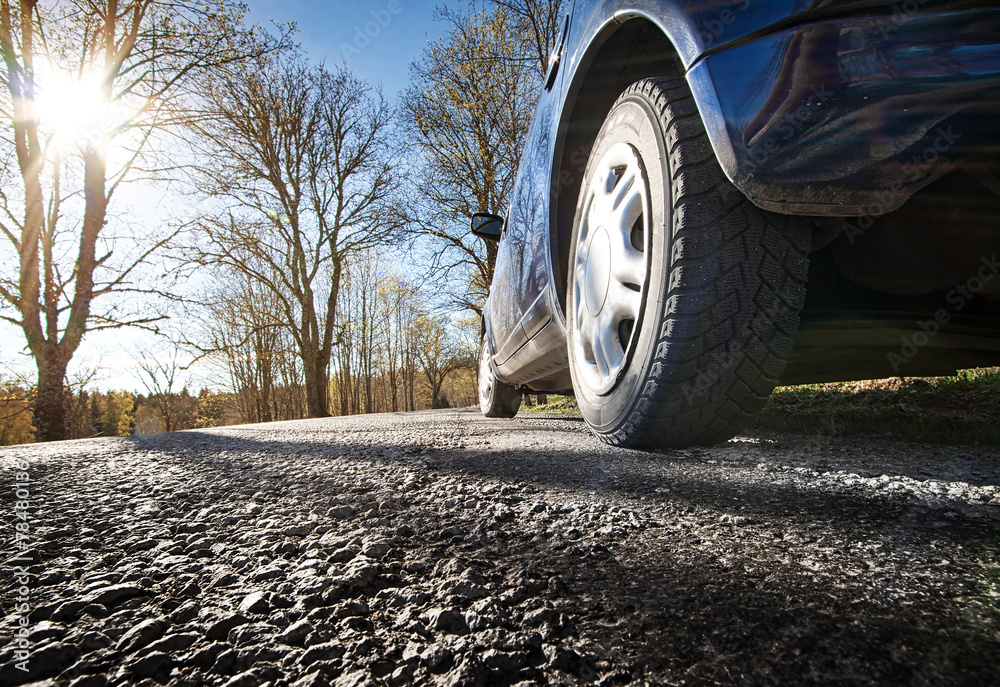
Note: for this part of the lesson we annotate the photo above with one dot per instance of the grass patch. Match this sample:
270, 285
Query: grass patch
554, 403
964, 408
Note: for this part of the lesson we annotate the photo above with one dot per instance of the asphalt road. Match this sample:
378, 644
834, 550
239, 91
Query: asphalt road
444, 548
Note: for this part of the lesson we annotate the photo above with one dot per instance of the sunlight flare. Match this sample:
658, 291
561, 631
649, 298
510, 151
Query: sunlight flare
74, 110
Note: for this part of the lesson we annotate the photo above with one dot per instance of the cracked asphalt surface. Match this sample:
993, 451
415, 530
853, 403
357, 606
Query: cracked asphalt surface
443, 548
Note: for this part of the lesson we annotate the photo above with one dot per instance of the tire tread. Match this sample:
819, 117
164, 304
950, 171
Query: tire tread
735, 290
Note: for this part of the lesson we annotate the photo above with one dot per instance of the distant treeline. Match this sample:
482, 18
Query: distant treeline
124, 413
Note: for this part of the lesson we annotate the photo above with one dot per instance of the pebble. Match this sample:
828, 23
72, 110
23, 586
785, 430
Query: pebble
142, 635
109, 596
220, 628
254, 603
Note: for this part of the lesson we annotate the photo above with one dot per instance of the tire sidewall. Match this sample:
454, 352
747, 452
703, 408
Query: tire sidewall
503, 400
632, 121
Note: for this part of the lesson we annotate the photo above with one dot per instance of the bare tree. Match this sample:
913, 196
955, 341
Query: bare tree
302, 158
159, 372
86, 87
79, 403
242, 327
366, 366
468, 112
540, 26
364, 341
390, 354
439, 354
399, 299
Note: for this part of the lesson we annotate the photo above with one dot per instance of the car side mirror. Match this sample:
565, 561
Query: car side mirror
487, 227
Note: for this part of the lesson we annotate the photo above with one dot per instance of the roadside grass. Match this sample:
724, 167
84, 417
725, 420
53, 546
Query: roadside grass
963, 408
559, 405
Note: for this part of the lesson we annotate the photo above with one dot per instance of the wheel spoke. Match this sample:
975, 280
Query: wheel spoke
485, 376
582, 252
610, 346
579, 295
601, 355
587, 335
622, 189
591, 219
623, 303
599, 205
628, 264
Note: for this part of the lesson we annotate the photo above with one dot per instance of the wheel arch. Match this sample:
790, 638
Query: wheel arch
622, 52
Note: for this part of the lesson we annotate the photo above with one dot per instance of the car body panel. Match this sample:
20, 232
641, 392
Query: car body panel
523, 251
843, 118
812, 107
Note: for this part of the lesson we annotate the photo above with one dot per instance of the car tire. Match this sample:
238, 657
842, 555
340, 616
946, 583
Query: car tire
683, 297
496, 399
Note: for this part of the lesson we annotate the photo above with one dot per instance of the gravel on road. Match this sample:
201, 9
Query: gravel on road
443, 548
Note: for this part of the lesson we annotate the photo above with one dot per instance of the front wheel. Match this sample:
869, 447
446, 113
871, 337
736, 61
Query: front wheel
683, 297
496, 399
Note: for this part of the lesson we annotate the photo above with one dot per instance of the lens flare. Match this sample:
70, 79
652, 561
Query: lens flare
73, 109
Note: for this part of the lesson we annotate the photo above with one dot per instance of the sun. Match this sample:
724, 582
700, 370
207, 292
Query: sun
73, 110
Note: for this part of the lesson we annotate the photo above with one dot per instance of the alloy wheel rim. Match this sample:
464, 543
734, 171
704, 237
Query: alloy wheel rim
611, 267
485, 375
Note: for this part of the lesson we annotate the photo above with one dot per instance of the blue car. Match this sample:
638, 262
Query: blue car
715, 198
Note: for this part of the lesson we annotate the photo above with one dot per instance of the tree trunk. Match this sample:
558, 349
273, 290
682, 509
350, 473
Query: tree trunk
411, 395
435, 383
50, 402
393, 388
317, 387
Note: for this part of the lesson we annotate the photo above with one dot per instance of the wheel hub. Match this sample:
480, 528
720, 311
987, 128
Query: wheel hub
598, 271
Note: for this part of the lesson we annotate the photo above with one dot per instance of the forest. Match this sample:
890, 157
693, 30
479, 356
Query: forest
308, 253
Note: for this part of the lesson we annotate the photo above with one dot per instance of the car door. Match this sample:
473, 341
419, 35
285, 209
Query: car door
522, 257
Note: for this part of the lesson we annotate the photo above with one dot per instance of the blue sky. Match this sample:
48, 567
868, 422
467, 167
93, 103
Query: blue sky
379, 37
